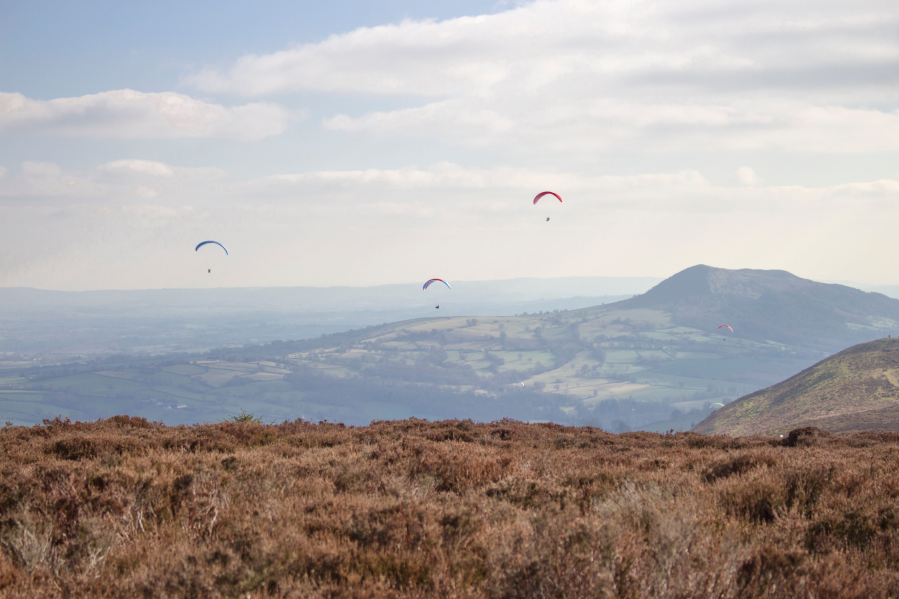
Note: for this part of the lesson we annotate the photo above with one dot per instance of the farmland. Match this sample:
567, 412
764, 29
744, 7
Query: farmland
596, 365
651, 362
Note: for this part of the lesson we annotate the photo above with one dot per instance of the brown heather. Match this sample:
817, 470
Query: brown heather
126, 508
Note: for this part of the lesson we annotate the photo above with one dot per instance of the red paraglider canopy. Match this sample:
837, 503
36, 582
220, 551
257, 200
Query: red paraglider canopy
725, 326
543, 193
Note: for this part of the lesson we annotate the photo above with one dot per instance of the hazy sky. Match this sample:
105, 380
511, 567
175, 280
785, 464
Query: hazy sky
365, 143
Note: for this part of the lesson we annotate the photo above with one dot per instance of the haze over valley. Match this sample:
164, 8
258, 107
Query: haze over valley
55, 325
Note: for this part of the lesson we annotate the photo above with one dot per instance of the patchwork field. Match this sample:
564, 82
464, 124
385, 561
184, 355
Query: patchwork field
584, 357
621, 369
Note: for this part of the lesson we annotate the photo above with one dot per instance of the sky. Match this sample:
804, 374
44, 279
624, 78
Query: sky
368, 143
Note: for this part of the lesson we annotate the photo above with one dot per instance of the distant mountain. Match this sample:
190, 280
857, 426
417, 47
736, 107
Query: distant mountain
854, 390
773, 305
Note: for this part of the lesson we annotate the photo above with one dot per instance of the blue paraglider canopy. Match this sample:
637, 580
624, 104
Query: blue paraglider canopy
202, 243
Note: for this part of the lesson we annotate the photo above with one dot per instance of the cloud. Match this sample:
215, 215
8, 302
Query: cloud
747, 176
478, 190
800, 75
145, 192
696, 44
127, 114
149, 167
49, 179
125, 226
612, 125
113, 181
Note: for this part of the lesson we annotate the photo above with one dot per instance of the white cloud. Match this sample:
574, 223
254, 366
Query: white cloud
800, 75
117, 180
747, 176
130, 228
127, 114
448, 176
41, 170
149, 167
145, 192
49, 179
698, 43
586, 125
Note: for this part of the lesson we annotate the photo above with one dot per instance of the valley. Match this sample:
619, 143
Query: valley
651, 362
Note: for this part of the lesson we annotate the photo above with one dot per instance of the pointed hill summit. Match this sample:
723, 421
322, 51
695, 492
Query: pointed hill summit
772, 305
854, 390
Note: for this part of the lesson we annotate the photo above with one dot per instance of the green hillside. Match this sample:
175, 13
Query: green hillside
605, 366
854, 390
651, 362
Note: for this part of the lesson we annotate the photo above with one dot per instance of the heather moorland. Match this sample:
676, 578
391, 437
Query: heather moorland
128, 508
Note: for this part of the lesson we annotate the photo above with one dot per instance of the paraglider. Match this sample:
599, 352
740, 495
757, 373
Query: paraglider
725, 326
202, 243
428, 283
543, 193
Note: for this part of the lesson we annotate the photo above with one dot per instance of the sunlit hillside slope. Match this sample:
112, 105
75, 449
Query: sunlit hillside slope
855, 390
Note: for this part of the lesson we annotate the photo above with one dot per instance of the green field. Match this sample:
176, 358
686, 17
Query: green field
577, 361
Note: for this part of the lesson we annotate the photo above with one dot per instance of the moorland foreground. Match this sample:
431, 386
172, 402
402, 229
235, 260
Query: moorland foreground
124, 507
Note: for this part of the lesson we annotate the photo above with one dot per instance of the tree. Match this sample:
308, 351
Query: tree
244, 416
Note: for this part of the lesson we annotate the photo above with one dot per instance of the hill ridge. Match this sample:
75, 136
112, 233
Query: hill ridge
855, 389
772, 305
